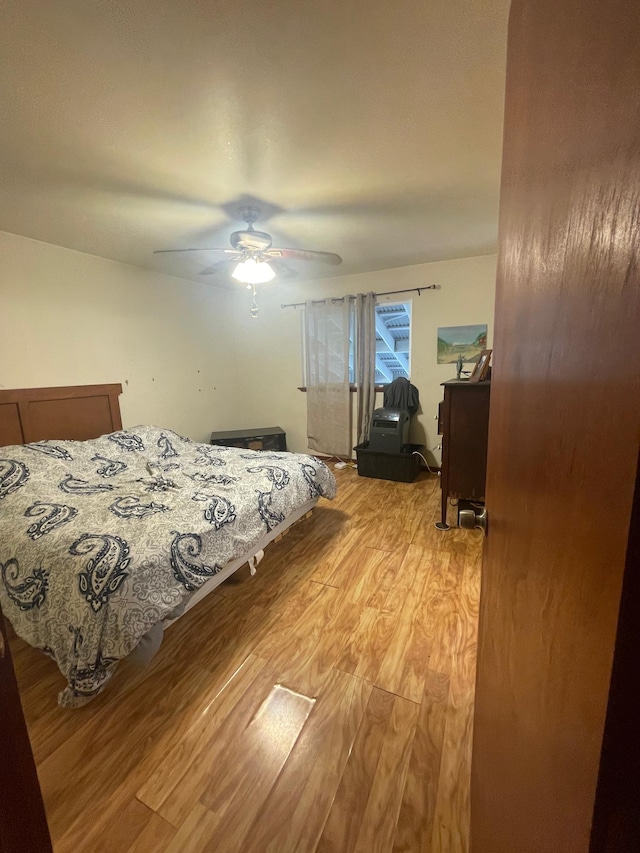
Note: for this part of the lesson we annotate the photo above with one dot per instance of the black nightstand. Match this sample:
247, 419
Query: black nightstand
262, 438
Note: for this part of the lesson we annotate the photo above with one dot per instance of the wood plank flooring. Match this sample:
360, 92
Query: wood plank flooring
325, 704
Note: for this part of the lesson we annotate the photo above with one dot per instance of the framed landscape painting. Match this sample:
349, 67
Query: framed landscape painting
468, 341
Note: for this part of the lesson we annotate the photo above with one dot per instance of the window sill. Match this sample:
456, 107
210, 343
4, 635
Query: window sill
352, 388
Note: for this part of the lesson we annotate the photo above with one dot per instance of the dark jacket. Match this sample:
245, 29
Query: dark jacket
401, 394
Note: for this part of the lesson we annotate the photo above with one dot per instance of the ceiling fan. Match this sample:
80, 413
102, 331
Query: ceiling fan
253, 253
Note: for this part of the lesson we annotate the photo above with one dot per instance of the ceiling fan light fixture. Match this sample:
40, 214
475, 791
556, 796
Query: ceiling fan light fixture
251, 271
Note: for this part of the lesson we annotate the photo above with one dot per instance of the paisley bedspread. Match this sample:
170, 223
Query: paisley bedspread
102, 539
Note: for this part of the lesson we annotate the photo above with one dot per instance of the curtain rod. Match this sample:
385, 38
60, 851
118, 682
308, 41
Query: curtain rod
417, 290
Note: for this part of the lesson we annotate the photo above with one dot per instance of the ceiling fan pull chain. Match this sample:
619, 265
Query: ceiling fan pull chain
254, 304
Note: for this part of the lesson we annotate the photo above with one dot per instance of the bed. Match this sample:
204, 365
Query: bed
108, 535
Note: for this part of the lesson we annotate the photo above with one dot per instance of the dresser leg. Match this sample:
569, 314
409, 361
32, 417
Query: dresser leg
442, 524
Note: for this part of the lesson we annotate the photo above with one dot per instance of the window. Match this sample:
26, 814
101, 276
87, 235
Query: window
393, 342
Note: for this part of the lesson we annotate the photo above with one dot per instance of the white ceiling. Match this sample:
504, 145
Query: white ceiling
371, 128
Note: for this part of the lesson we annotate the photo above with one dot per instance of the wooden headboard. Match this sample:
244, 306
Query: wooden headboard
74, 412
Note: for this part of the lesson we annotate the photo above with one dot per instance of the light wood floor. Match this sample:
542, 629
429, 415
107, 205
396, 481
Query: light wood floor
324, 704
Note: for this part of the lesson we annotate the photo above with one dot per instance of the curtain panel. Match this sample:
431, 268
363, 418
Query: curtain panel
365, 366
327, 377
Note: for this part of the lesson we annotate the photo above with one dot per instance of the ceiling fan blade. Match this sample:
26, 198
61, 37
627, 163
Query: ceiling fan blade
282, 269
304, 255
213, 269
223, 251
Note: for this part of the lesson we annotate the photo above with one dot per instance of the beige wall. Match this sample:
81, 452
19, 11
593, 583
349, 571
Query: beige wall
69, 319
189, 356
269, 350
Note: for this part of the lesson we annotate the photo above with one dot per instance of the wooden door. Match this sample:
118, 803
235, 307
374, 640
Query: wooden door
23, 825
616, 824
565, 421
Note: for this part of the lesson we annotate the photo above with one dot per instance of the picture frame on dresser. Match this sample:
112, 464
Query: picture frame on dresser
481, 369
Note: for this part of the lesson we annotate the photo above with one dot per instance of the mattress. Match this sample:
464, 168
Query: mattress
102, 540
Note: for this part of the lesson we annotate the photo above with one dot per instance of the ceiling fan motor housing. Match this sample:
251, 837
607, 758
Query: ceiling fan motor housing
252, 241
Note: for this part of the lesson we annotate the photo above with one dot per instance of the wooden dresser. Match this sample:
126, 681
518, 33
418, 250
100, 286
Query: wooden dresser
463, 422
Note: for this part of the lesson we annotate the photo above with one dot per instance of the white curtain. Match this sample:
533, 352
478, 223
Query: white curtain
327, 363
365, 362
